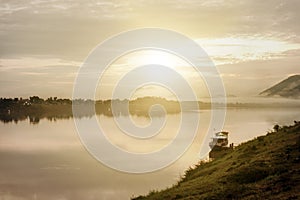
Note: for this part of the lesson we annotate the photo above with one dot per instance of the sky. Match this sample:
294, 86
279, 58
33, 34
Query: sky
254, 44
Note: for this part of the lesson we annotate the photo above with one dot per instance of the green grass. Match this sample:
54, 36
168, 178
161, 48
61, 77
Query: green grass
267, 167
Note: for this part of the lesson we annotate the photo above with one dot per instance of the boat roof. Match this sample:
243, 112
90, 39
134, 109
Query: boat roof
220, 137
221, 133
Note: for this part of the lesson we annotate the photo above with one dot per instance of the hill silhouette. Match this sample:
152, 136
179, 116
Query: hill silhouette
288, 88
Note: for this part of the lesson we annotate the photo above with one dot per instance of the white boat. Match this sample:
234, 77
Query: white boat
219, 139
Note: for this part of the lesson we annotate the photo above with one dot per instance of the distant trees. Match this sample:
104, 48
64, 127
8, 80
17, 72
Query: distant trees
139, 106
276, 127
36, 99
34, 108
49, 100
32, 100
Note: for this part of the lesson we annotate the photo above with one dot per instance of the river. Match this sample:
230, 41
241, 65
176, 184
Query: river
48, 161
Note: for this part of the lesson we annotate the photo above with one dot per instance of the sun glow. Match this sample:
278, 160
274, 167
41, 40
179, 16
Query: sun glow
127, 63
157, 57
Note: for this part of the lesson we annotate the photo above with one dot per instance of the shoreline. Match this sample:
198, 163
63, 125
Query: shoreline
264, 167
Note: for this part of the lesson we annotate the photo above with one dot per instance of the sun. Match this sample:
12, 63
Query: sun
158, 57
127, 64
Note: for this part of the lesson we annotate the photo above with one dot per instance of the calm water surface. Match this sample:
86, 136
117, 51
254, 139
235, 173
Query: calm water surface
47, 160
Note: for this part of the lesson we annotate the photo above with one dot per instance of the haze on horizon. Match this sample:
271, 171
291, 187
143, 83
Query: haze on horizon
253, 43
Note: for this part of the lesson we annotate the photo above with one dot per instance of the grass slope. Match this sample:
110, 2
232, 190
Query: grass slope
267, 167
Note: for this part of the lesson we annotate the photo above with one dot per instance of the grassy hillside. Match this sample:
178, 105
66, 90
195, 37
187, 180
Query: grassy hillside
267, 167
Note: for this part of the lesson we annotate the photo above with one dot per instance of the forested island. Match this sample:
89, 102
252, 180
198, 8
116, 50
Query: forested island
52, 108
35, 108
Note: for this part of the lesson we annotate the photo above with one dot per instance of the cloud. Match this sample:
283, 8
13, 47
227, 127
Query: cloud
25, 63
44, 77
39, 36
34, 73
70, 29
241, 49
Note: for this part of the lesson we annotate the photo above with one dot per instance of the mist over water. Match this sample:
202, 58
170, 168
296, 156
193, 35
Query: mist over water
48, 161
259, 100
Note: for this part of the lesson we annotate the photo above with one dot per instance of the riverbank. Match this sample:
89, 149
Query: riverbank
267, 167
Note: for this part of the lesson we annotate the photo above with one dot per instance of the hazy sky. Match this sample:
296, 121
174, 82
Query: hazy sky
253, 43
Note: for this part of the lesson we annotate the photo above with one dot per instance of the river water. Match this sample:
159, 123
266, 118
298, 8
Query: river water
48, 161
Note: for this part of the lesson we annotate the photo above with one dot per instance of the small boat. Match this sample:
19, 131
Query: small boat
219, 145
219, 139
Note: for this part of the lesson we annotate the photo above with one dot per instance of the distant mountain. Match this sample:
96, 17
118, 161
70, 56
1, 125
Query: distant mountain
288, 88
